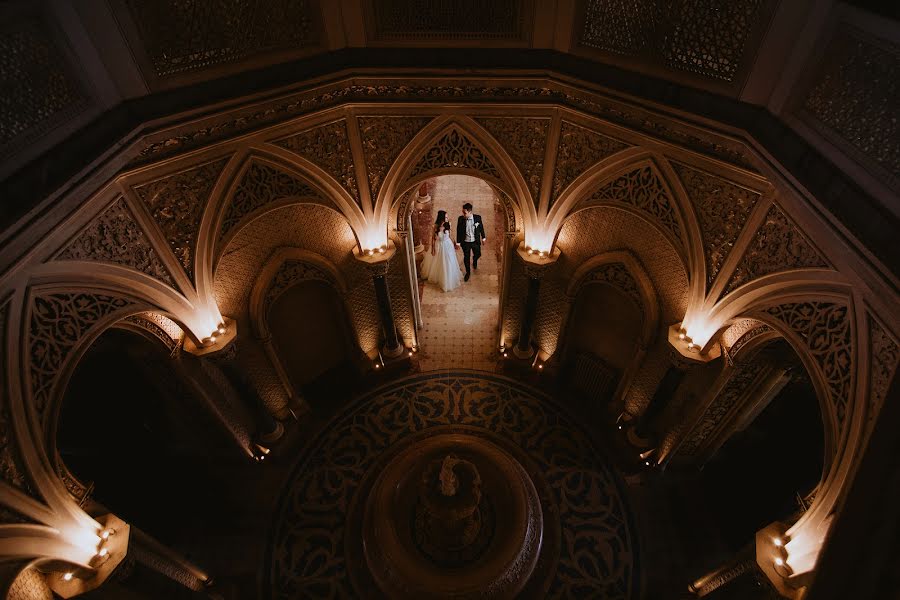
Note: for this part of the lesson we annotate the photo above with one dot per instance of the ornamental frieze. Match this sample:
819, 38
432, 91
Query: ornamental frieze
579, 148
524, 139
383, 139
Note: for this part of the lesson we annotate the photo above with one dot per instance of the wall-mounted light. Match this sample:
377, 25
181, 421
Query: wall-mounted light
221, 329
778, 542
68, 576
779, 561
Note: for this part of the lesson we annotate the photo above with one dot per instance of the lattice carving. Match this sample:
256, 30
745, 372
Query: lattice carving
260, 185
291, 272
643, 190
58, 323
525, 141
578, 149
855, 97
182, 37
176, 203
31, 584
778, 245
885, 355
740, 381
722, 208
363, 310
449, 20
328, 147
114, 236
383, 139
825, 329
552, 307
618, 276
40, 90
706, 38
455, 150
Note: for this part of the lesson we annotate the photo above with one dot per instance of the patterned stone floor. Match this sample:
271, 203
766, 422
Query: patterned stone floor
461, 325
308, 547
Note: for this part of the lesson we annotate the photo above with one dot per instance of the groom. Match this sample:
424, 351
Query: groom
470, 235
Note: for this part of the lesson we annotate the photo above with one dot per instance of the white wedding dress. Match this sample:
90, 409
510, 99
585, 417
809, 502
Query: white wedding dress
442, 268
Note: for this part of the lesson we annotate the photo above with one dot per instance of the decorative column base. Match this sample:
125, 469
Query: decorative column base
526, 354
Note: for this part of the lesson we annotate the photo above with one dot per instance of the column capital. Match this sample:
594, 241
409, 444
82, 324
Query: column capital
215, 344
684, 354
536, 264
376, 261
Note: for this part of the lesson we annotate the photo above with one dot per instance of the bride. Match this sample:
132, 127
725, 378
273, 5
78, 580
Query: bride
441, 266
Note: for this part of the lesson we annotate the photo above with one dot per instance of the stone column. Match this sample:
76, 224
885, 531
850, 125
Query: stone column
377, 264
536, 266
741, 567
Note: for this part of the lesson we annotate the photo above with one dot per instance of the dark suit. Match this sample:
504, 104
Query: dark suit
470, 248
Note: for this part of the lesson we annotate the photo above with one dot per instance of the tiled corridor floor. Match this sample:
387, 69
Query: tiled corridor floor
461, 325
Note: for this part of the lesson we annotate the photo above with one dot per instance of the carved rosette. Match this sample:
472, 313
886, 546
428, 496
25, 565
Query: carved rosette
579, 148
58, 323
884, 357
261, 185
454, 150
825, 329
642, 189
722, 208
383, 139
114, 236
328, 147
176, 203
524, 139
778, 245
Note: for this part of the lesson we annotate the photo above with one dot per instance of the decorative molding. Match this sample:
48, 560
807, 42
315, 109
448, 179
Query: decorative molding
578, 149
40, 88
327, 146
182, 37
58, 323
176, 203
641, 188
722, 208
160, 327
383, 139
114, 236
261, 184
12, 469
884, 357
524, 139
778, 245
825, 329
749, 335
853, 101
454, 150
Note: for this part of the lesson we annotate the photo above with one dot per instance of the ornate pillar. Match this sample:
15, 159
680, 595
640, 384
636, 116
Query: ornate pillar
536, 266
729, 575
377, 264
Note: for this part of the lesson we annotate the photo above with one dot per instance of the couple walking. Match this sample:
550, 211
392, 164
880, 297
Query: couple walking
441, 266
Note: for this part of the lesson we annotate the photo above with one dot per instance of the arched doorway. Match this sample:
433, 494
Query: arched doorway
459, 328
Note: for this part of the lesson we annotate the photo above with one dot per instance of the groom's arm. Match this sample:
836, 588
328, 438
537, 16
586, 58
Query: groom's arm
483, 236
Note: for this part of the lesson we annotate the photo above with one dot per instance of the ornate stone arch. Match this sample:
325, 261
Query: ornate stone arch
453, 144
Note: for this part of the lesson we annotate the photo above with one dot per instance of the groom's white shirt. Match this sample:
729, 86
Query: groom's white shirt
470, 228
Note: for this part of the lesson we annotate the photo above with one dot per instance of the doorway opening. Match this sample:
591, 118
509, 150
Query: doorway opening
460, 326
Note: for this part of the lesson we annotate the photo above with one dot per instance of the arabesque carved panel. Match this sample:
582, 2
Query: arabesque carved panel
260, 185
455, 150
176, 203
778, 245
825, 329
114, 236
722, 208
884, 358
641, 189
328, 147
58, 323
383, 139
579, 148
525, 140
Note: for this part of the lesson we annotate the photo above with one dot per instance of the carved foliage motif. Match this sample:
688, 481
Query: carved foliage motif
176, 203
579, 148
642, 189
855, 96
618, 276
723, 404
181, 37
39, 91
455, 150
525, 141
383, 138
291, 272
114, 236
777, 246
885, 356
58, 322
260, 185
825, 329
722, 208
328, 147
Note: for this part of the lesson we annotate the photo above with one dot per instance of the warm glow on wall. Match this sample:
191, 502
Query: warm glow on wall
539, 242
697, 330
373, 239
